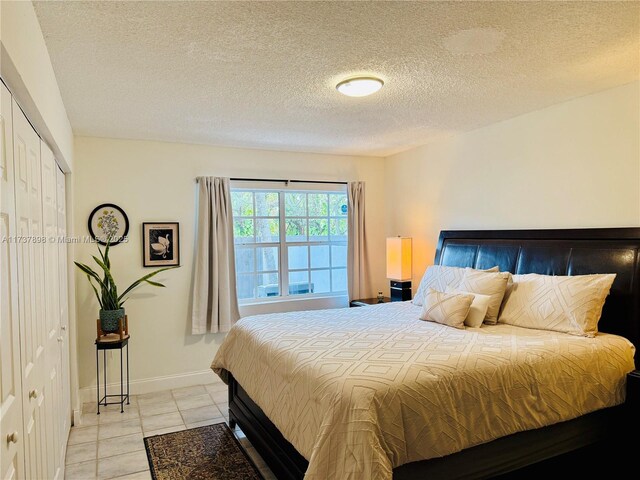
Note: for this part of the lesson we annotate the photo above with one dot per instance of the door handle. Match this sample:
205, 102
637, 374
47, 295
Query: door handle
60, 339
63, 327
13, 437
33, 393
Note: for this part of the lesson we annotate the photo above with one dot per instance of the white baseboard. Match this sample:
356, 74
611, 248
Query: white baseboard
155, 384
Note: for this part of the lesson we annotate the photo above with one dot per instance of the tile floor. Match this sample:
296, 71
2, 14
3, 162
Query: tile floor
99, 438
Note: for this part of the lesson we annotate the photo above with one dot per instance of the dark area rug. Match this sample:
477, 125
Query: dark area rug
204, 453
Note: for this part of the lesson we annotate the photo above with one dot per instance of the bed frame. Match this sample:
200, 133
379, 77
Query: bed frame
549, 252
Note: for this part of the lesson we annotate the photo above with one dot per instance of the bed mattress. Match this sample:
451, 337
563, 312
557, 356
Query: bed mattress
360, 391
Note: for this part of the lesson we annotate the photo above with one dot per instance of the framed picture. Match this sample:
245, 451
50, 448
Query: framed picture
160, 244
108, 221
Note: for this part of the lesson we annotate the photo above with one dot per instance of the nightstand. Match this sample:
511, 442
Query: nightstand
363, 302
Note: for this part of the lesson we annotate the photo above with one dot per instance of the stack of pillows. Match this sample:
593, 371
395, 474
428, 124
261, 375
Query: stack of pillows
460, 297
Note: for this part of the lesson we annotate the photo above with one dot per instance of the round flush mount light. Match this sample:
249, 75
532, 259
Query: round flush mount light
359, 86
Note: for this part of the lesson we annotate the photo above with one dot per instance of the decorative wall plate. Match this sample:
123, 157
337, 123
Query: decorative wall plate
108, 221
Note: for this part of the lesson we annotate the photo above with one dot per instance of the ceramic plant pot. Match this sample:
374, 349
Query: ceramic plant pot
109, 320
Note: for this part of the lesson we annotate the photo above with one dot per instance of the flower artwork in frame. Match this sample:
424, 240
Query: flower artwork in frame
108, 223
160, 244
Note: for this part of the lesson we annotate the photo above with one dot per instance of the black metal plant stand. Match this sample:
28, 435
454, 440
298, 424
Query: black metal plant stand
104, 344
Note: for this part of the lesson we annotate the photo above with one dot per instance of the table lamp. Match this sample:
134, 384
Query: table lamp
399, 268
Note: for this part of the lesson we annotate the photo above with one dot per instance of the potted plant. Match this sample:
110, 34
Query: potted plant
106, 290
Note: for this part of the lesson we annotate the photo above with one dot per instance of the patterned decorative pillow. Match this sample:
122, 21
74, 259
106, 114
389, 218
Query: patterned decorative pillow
446, 308
439, 277
569, 304
493, 284
478, 309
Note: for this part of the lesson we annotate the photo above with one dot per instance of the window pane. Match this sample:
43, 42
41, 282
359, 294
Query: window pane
295, 204
244, 285
318, 205
268, 285
338, 255
242, 203
244, 259
339, 229
338, 204
298, 257
315, 226
267, 204
299, 283
243, 231
319, 256
267, 259
339, 280
296, 230
320, 281
318, 230
267, 230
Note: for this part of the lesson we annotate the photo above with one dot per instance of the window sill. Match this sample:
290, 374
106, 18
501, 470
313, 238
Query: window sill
289, 304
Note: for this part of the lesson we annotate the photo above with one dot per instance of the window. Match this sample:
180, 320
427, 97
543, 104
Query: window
289, 243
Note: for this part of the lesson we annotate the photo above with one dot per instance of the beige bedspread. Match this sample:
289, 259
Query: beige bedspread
362, 390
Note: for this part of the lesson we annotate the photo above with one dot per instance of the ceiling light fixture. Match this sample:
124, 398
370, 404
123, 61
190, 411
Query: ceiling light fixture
359, 86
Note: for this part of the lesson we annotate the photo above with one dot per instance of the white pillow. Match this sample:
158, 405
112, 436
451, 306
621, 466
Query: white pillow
446, 308
478, 309
439, 277
570, 304
493, 284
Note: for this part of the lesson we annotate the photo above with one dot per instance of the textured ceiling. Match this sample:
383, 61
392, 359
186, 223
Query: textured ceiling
263, 74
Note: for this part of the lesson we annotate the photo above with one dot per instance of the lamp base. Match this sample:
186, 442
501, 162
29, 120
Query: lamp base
400, 291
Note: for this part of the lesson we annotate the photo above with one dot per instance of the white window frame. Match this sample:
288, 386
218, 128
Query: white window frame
283, 273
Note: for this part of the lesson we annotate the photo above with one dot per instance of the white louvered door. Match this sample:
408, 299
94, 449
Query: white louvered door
52, 379
31, 298
65, 407
11, 429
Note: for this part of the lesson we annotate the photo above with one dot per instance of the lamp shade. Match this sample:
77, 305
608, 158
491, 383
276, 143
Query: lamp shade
399, 258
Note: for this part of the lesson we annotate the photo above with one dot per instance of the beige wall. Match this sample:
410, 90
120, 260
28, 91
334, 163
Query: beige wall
26, 68
576, 164
155, 181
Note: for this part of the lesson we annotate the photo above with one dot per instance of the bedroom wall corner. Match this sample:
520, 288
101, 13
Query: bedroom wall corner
570, 165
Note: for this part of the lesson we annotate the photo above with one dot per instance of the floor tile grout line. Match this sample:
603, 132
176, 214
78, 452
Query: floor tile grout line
174, 399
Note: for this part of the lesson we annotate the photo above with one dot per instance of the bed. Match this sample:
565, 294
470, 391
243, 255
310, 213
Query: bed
396, 369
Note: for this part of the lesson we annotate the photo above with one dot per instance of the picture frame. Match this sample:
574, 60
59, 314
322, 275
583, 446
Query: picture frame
160, 244
108, 220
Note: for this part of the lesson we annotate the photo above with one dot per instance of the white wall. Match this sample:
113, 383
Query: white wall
155, 181
576, 164
26, 68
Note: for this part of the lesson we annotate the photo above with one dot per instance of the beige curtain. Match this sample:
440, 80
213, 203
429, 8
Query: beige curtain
214, 302
356, 262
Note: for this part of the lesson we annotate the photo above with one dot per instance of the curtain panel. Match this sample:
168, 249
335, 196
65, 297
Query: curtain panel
356, 248
214, 301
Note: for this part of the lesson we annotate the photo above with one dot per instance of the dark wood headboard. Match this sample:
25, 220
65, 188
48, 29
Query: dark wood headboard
559, 252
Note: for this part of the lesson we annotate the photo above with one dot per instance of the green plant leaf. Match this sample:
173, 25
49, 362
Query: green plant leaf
87, 270
106, 271
96, 291
144, 279
110, 295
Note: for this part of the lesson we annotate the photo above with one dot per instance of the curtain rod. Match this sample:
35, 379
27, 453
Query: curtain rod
286, 181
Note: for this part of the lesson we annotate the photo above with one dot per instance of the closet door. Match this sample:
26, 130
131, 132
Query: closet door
31, 298
65, 412
11, 431
52, 380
